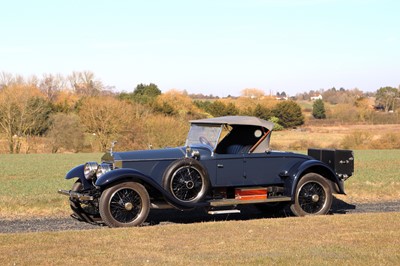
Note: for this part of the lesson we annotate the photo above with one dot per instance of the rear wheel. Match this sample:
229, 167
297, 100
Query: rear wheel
313, 196
125, 204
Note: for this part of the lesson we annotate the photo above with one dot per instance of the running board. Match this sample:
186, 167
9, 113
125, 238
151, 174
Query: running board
223, 212
232, 202
162, 205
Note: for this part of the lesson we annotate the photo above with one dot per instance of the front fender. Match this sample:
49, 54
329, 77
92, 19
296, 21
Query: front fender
313, 166
123, 174
77, 172
120, 174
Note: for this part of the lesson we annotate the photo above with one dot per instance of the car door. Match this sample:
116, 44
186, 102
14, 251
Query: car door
230, 171
265, 168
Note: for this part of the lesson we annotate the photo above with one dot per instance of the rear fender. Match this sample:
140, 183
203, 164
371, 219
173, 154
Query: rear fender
124, 174
313, 166
77, 172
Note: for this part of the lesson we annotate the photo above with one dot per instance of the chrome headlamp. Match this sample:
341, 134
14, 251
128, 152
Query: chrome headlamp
90, 170
102, 169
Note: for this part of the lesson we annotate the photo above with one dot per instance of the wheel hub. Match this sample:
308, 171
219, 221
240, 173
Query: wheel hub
128, 206
190, 184
315, 198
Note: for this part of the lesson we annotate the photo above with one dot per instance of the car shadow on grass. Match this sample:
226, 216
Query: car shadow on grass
247, 212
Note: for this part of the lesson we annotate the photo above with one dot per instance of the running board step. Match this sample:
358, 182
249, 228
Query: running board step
232, 202
223, 212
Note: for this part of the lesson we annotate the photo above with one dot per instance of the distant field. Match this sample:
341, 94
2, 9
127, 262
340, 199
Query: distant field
357, 239
29, 183
327, 136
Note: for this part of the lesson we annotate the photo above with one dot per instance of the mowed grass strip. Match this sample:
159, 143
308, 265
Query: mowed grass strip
358, 239
29, 183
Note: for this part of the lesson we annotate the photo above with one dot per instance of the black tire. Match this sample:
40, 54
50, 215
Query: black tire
82, 211
124, 205
186, 180
313, 196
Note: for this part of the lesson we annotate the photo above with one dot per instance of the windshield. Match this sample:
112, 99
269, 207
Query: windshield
204, 134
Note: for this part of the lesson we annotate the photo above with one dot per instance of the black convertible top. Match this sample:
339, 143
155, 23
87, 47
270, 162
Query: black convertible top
236, 120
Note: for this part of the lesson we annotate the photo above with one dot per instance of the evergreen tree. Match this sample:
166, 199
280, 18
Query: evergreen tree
146, 93
218, 108
289, 114
262, 112
319, 109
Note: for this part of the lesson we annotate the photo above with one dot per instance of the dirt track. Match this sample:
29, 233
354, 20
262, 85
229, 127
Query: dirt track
173, 216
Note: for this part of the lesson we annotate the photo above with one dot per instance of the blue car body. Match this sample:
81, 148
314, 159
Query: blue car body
225, 162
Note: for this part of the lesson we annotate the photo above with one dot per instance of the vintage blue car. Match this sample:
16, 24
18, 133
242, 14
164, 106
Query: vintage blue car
225, 162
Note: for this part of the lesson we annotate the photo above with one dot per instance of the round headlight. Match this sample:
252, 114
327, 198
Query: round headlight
90, 169
102, 169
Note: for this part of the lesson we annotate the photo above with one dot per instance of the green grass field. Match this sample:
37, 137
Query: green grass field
29, 183
377, 176
29, 186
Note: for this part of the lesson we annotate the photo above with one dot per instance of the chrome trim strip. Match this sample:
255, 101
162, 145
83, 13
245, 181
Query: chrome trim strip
148, 160
223, 212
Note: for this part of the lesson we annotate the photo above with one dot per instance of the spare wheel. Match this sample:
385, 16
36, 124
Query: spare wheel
187, 180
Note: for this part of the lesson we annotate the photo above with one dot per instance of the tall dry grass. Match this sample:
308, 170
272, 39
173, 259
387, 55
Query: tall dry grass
362, 140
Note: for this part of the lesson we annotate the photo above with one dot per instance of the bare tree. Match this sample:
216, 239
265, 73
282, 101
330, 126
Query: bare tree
51, 85
32, 81
65, 132
6, 79
106, 118
85, 83
253, 93
19, 114
386, 97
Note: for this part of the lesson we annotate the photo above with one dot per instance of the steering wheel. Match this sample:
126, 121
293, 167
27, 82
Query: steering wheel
204, 141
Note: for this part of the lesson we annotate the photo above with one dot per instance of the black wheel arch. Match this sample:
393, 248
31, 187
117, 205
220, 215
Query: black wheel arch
317, 167
77, 172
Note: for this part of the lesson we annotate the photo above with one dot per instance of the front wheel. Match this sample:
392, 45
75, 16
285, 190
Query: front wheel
125, 204
313, 196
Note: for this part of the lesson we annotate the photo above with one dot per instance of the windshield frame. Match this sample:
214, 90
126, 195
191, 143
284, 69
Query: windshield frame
211, 132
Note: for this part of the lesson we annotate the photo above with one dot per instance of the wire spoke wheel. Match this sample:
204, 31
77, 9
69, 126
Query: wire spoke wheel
186, 180
313, 196
125, 204
186, 183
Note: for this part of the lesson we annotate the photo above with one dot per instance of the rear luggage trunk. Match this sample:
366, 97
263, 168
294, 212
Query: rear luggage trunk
341, 161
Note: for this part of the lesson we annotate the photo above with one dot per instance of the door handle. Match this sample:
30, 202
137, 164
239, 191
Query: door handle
220, 165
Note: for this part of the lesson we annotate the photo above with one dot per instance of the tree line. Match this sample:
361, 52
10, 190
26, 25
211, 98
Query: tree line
77, 113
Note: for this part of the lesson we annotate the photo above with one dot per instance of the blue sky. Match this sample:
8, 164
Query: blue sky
215, 47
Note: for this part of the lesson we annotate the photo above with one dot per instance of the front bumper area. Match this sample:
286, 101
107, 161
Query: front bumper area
76, 195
